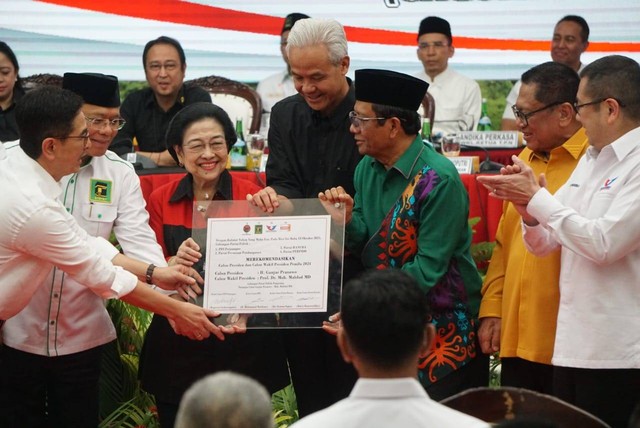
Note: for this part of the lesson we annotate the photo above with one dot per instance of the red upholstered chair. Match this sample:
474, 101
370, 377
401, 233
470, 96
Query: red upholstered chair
236, 98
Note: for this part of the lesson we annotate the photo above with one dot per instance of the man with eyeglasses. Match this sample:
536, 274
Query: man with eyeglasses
520, 295
410, 212
593, 219
148, 111
65, 326
458, 98
570, 40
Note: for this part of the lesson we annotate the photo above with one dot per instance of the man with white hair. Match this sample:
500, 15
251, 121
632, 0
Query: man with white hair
312, 149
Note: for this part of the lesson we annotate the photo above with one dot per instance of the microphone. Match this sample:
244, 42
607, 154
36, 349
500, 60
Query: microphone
487, 165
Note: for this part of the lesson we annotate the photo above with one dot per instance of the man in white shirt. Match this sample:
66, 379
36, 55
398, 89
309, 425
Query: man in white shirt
570, 40
280, 85
103, 196
38, 234
458, 98
385, 330
594, 220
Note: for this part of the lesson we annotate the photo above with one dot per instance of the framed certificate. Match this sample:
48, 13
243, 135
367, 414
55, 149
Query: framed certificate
278, 270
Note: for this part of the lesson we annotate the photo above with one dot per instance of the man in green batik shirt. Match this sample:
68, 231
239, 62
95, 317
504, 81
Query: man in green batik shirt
410, 212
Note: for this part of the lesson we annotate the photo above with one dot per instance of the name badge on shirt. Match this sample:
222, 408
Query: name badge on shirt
100, 190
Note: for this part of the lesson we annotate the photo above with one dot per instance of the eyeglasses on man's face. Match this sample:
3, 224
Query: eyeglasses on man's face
577, 106
358, 121
99, 123
84, 136
169, 66
524, 117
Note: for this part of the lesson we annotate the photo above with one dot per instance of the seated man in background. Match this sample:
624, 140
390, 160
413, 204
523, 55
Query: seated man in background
520, 296
280, 85
570, 40
148, 111
458, 98
225, 400
51, 334
411, 213
385, 330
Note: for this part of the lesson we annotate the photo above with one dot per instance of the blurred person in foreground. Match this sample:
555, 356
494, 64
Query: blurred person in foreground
387, 392
410, 212
593, 220
569, 41
225, 400
39, 234
520, 295
280, 85
199, 138
148, 111
311, 149
10, 92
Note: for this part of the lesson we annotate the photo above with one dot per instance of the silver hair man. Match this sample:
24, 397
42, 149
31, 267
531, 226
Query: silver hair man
225, 400
328, 32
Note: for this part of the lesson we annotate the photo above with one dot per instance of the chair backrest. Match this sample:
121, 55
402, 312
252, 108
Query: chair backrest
505, 403
236, 98
36, 80
428, 108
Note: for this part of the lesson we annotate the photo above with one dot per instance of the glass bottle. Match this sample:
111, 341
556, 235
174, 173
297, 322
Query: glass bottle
238, 153
426, 129
484, 124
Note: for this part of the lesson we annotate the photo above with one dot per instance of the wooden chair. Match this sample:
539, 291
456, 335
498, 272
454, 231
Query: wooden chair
237, 99
35, 80
506, 404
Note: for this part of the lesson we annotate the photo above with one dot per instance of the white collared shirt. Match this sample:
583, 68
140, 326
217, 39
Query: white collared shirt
104, 196
458, 101
36, 233
383, 403
595, 218
275, 88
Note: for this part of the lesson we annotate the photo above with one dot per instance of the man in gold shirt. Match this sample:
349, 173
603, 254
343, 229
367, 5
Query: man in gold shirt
520, 293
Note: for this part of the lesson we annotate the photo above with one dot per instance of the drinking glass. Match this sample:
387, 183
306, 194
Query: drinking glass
256, 147
450, 145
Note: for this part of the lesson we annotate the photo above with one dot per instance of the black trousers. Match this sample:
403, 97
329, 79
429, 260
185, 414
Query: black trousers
51, 392
474, 374
609, 394
520, 373
319, 375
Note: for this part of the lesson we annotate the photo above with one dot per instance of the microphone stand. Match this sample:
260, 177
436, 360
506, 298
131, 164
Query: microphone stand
487, 166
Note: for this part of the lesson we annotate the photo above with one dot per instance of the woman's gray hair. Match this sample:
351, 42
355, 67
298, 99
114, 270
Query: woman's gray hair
313, 31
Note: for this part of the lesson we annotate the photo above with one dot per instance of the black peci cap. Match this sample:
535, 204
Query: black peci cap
94, 88
390, 88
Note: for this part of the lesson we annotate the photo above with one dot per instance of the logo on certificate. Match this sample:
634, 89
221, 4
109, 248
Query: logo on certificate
272, 228
246, 228
258, 229
285, 227
100, 191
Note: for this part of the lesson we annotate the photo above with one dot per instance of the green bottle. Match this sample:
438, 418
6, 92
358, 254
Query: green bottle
426, 129
238, 153
484, 124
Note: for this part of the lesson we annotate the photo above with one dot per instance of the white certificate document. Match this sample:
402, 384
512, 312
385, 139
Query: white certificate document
267, 264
